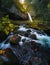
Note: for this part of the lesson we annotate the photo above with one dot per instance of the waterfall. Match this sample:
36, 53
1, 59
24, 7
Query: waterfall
30, 18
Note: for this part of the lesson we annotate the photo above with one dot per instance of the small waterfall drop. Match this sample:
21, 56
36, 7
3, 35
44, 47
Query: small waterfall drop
30, 18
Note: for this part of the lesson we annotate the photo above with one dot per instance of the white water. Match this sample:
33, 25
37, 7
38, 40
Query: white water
30, 18
42, 39
21, 28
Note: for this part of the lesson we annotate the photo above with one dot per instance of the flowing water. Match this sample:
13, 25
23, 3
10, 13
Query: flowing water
42, 39
30, 18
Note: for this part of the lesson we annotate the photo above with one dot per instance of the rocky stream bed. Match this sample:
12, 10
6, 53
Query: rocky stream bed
26, 46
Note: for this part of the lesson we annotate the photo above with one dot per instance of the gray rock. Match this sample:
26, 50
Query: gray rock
8, 8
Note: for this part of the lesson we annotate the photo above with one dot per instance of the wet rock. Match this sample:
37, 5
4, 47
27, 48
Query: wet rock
15, 39
8, 8
40, 32
24, 54
35, 46
28, 30
29, 52
11, 57
27, 33
24, 33
3, 36
21, 33
47, 32
35, 61
33, 36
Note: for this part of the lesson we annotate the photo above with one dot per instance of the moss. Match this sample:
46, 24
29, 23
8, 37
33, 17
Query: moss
39, 24
6, 25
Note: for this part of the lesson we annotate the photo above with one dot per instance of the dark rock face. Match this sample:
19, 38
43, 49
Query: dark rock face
18, 14
33, 36
47, 32
3, 36
8, 8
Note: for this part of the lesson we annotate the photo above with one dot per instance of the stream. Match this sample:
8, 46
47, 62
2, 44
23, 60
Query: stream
41, 39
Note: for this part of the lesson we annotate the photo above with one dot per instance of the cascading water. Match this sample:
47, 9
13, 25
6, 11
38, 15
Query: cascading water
30, 18
24, 43
18, 51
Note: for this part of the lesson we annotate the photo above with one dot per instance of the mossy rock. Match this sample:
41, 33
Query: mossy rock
15, 40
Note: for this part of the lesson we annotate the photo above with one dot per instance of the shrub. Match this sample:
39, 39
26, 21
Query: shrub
6, 25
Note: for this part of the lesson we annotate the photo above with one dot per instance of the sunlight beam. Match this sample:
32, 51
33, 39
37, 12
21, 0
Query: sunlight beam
21, 1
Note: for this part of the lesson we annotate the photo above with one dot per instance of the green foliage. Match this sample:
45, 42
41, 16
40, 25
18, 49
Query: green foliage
19, 5
49, 5
39, 24
1, 63
6, 25
41, 8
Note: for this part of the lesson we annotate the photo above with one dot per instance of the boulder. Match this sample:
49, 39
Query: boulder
15, 39
33, 36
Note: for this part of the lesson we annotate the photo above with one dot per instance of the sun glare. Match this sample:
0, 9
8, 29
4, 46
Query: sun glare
21, 1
